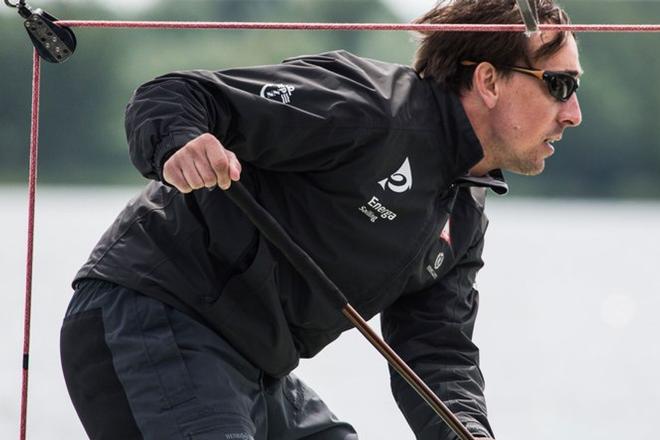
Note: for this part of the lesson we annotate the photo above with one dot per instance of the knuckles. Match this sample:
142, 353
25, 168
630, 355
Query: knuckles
206, 155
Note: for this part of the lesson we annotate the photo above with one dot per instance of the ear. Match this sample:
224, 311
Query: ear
486, 84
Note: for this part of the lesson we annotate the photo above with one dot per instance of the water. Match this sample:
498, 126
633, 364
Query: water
567, 326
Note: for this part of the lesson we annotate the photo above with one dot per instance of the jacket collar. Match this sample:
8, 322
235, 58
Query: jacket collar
460, 143
493, 180
460, 147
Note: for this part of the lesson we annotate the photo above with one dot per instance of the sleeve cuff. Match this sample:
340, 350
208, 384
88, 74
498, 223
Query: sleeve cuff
168, 146
476, 429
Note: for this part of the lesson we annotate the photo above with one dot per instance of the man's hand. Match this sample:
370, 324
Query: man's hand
202, 162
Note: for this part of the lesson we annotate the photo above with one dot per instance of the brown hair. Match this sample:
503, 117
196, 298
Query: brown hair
439, 54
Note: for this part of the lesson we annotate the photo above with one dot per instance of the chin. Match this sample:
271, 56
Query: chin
529, 169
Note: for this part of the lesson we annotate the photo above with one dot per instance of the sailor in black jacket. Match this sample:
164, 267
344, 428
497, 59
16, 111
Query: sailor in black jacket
379, 171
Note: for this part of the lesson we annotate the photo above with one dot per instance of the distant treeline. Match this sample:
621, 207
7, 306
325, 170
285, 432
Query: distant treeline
615, 153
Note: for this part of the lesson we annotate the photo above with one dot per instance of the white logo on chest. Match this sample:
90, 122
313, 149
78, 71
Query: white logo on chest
401, 180
376, 210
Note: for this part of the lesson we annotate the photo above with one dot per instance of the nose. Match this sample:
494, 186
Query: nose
570, 114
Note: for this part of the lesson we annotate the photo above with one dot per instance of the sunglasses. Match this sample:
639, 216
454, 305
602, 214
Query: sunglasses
561, 85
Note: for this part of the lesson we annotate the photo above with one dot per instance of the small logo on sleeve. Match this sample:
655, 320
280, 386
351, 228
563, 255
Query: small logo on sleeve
277, 92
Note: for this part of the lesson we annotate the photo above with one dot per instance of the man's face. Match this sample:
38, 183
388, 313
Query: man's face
527, 119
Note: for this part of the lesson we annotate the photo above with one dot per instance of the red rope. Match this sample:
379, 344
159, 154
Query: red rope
32, 187
358, 26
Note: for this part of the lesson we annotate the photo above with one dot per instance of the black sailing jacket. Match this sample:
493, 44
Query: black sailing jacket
362, 162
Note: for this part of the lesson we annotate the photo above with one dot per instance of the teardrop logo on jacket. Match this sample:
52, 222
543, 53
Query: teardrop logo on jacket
401, 180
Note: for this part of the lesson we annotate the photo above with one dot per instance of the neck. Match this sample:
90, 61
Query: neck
481, 168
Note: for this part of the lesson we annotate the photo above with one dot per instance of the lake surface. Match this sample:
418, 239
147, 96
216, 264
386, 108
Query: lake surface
568, 322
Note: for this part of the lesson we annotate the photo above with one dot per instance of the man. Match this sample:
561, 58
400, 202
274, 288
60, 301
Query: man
186, 323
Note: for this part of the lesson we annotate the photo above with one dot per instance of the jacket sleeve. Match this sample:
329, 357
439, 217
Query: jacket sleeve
302, 114
432, 331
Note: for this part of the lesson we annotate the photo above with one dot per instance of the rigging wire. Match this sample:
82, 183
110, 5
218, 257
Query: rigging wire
32, 189
447, 27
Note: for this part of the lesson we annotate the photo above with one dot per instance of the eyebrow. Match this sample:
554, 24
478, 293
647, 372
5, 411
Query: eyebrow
577, 73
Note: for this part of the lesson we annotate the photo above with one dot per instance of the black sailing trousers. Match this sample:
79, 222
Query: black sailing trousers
136, 368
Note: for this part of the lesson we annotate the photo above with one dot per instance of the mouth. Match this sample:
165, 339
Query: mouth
549, 142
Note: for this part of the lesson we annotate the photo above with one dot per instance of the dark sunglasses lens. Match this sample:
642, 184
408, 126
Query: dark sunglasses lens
561, 85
